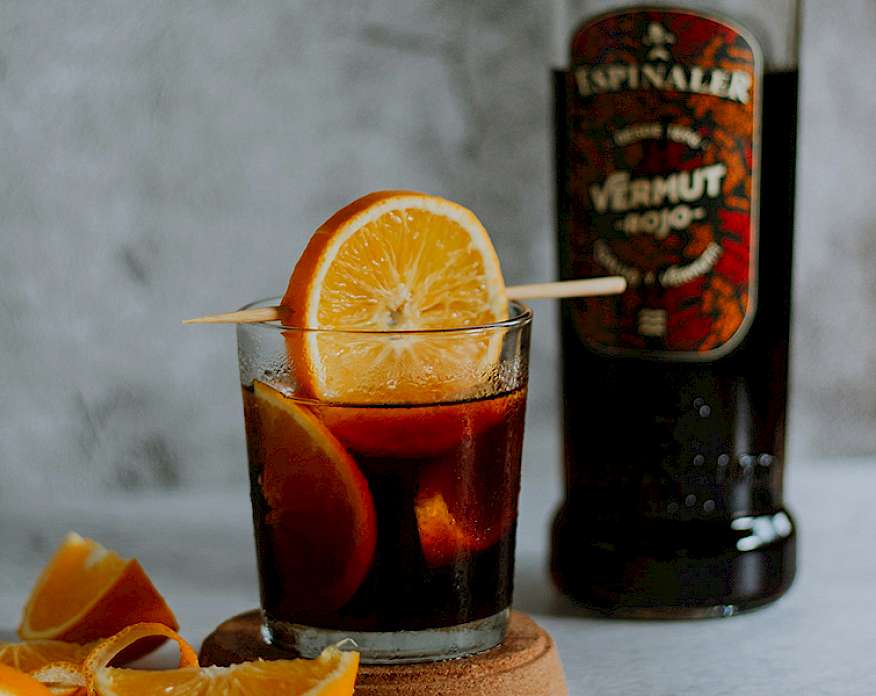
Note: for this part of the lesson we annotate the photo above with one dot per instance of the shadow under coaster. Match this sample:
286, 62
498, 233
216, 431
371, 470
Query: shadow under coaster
527, 662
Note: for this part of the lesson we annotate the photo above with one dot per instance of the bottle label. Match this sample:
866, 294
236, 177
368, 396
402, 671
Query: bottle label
658, 172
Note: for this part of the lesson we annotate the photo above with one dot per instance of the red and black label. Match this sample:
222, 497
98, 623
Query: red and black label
660, 112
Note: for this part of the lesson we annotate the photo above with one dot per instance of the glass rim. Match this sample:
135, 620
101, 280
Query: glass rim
521, 319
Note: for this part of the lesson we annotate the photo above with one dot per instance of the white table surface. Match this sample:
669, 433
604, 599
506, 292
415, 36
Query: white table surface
819, 639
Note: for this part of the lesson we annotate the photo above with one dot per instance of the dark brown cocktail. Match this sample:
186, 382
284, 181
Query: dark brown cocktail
388, 523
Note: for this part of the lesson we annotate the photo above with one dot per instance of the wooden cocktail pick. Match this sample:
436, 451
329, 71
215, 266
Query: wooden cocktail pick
586, 287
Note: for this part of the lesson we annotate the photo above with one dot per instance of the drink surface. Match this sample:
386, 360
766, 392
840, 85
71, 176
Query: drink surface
443, 480
674, 462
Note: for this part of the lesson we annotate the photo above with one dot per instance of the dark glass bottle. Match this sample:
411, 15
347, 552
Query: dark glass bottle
675, 161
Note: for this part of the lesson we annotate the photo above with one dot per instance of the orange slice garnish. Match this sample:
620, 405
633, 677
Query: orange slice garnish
33, 654
394, 261
16, 683
87, 592
62, 678
320, 524
333, 673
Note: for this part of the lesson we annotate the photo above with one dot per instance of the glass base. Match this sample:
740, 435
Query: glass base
393, 647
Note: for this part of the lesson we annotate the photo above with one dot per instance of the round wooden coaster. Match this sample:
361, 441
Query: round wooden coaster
527, 663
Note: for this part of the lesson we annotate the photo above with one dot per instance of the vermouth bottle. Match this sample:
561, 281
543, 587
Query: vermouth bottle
675, 158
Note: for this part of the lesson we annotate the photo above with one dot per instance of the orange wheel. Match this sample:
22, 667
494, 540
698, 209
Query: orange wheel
394, 261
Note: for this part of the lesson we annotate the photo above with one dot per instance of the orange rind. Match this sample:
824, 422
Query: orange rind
109, 650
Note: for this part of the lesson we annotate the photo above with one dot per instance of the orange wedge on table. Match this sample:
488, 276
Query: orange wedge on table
333, 673
77, 679
394, 261
33, 654
62, 678
16, 683
88, 592
321, 523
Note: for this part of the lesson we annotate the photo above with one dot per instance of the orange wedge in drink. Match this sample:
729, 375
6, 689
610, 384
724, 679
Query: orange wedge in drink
462, 509
88, 592
395, 261
16, 683
442, 537
321, 523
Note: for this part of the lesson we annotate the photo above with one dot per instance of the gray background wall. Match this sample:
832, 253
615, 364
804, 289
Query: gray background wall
160, 160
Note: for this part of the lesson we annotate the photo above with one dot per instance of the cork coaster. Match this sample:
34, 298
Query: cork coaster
526, 663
